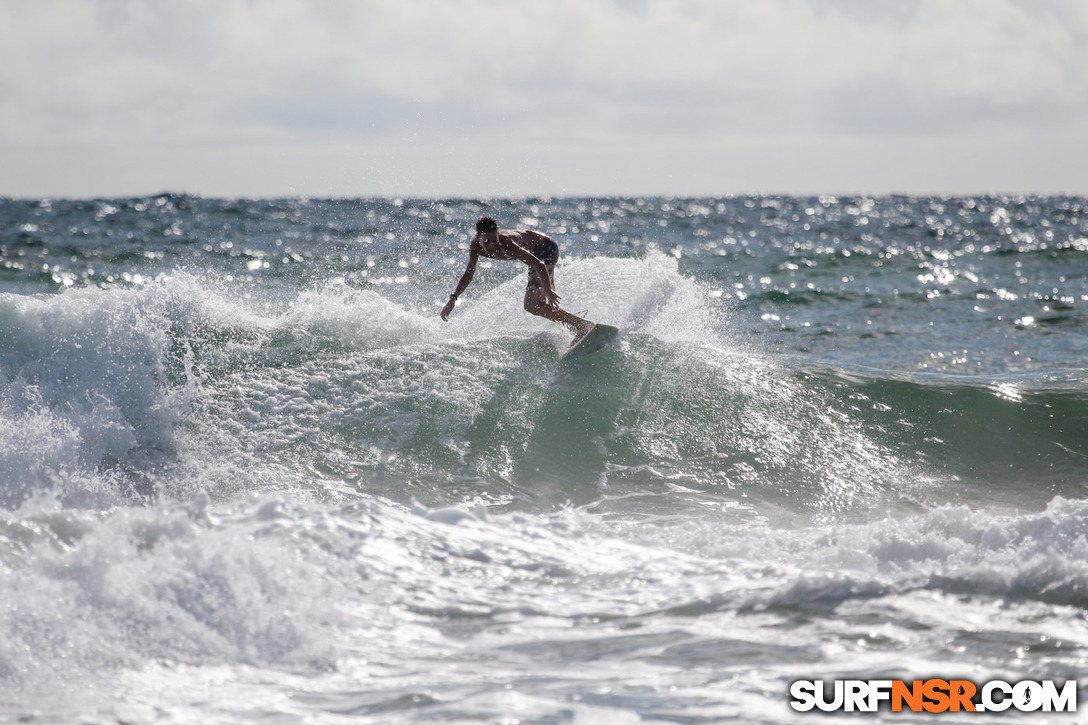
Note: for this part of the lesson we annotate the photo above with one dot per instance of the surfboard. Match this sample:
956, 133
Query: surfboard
599, 337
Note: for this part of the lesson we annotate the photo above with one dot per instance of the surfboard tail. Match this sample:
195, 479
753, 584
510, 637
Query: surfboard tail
599, 337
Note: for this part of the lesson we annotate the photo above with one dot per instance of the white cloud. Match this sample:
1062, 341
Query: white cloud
393, 83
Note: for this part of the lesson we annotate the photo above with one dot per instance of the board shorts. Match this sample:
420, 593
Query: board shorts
548, 253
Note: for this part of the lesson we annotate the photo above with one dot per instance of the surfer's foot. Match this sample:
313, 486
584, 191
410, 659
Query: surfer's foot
581, 331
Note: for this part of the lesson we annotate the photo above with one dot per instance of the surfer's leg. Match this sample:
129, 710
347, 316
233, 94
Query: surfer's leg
535, 304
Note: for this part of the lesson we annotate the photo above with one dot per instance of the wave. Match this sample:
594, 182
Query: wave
1027, 429
374, 397
952, 551
188, 384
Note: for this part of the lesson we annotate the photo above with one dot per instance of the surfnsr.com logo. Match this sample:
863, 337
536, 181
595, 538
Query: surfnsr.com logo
933, 696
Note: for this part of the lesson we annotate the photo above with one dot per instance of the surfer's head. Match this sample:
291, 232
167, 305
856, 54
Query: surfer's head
486, 225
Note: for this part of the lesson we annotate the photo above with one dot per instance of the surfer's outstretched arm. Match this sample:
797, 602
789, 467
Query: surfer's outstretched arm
466, 279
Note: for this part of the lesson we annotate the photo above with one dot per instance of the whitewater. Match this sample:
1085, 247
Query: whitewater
247, 474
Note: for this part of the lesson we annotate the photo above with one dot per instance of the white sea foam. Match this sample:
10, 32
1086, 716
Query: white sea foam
360, 319
352, 603
80, 385
90, 595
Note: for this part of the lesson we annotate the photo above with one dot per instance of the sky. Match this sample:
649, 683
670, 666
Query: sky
471, 98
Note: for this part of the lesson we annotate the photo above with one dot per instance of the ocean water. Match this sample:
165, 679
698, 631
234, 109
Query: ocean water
248, 475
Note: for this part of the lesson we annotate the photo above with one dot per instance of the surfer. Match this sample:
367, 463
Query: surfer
540, 253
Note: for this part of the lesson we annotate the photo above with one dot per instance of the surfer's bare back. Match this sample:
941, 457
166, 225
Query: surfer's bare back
539, 252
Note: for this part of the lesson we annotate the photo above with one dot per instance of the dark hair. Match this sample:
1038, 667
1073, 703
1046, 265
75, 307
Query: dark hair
487, 224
